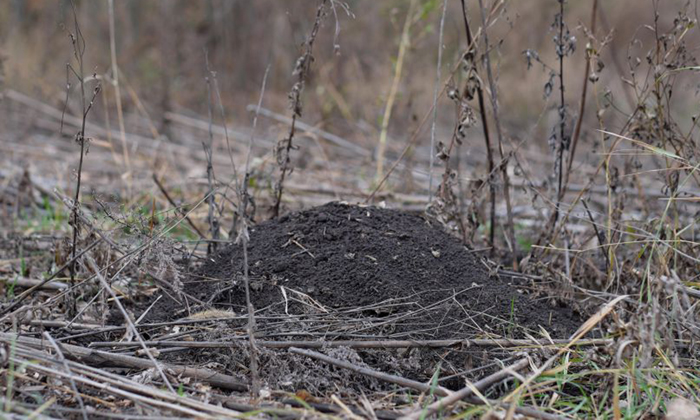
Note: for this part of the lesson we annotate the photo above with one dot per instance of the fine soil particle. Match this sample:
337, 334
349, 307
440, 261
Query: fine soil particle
337, 256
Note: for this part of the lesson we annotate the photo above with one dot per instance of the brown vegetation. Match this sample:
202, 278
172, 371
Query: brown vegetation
166, 247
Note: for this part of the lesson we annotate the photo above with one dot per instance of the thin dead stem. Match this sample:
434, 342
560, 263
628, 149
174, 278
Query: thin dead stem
243, 237
496, 118
106, 286
487, 137
582, 101
208, 150
301, 70
435, 99
78, 42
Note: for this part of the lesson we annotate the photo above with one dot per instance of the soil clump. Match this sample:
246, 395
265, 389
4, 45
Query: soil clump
377, 263
349, 272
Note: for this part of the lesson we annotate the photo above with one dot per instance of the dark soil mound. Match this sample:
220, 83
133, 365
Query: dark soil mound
338, 256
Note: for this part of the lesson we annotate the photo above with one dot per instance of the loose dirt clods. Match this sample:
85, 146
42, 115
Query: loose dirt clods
345, 272
373, 262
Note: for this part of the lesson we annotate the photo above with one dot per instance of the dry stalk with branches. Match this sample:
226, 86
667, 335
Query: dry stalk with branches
473, 85
503, 165
208, 150
78, 43
301, 71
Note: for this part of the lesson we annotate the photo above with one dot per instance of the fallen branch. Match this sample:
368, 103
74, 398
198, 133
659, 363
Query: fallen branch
98, 358
27, 282
43, 363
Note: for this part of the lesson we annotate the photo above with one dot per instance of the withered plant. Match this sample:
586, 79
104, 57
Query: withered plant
301, 70
78, 43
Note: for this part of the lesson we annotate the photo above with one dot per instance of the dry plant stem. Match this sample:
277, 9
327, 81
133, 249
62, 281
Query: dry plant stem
78, 52
420, 386
496, 118
414, 136
62, 359
243, 236
303, 65
258, 109
615, 56
100, 382
117, 93
141, 108
366, 344
604, 164
403, 45
548, 232
128, 321
211, 202
125, 255
129, 255
599, 235
487, 138
275, 412
27, 282
435, 98
468, 391
250, 326
34, 350
98, 357
562, 113
582, 104
220, 103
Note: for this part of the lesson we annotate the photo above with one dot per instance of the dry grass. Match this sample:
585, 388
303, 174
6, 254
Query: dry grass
622, 248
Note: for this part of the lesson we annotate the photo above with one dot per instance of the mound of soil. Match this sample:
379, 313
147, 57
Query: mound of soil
340, 256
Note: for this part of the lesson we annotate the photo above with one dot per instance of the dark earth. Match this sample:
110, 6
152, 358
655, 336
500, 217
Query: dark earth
357, 273
387, 261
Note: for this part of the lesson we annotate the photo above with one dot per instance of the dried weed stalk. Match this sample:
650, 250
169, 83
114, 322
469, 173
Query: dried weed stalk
588, 77
301, 71
78, 43
565, 45
435, 98
473, 85
654, 126
212, 218
503, 165
245, 200
560, 137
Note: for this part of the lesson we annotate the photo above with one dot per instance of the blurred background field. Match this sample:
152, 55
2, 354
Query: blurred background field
160, 54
